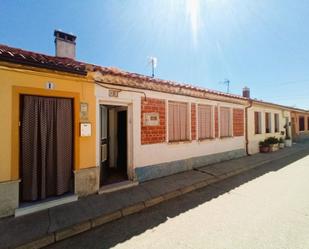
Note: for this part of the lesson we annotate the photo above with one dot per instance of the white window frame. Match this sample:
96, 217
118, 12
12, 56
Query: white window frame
276, 124
188, 115
269, 124
211, 122
259, 122
230, 125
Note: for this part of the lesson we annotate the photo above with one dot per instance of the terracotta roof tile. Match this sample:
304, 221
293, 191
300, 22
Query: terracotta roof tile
20, 56
174, 87
24, 57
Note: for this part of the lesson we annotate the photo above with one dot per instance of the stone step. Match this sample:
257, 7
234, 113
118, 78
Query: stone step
117, 186
29, 208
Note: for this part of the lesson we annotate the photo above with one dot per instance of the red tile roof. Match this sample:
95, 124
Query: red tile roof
149, 83
24, 57
29, 58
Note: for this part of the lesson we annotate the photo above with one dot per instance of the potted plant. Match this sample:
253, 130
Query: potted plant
273, 143
264, 146
288, 141
281, 143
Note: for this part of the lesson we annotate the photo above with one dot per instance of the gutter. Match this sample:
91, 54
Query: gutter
246, 121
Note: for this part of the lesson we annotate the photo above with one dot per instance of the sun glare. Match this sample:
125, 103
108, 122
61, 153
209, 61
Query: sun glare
194, 15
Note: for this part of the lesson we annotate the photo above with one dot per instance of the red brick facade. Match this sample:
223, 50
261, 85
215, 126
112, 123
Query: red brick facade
216, 122
193, 121
153, 134
238, 122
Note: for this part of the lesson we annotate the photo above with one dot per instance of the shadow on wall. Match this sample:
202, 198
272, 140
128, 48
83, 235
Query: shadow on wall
124, 229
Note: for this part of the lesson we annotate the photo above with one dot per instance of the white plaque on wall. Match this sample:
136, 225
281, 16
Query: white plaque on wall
85, 129
113, 93
84, 111
151, 119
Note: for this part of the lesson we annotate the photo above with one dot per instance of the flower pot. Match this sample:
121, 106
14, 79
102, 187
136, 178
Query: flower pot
264, 149
273, 147
288, 142
281, 145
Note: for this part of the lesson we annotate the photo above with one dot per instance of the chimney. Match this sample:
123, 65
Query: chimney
246, 92
65, 44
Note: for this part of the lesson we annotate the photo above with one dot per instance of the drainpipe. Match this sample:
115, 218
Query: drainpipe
246, 135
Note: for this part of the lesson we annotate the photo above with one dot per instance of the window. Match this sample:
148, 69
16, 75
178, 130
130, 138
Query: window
267, 122
257, 122
204, 122
276, 122
225, 122
301, 123
178, 121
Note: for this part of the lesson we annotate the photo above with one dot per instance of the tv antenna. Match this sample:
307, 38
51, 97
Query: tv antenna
153, 61
227, 83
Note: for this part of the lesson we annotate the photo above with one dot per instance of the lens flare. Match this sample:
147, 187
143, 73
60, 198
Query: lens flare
194, 15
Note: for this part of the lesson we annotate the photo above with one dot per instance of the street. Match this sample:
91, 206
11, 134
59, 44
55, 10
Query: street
267, 207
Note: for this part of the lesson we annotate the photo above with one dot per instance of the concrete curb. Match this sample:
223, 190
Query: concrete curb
138, 207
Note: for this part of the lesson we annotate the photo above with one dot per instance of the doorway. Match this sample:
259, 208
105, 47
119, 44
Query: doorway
293, 127
113, 144
46, 147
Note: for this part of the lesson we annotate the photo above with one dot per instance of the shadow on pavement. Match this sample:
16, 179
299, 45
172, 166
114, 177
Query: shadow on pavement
121, 230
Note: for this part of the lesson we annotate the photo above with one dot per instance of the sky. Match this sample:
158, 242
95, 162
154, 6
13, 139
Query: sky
261, 44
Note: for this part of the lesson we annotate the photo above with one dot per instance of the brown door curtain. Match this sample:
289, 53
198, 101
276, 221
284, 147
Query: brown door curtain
46, 147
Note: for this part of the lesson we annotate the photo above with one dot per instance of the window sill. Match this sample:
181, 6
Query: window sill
179, 142
206, 139
226, 137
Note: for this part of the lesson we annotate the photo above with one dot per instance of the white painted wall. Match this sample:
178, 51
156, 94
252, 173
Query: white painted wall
143, 155
253, 138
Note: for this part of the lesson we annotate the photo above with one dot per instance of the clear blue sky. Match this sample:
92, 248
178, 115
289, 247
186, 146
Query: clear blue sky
263, 44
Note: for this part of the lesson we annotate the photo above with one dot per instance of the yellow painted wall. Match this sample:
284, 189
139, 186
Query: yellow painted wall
35, 78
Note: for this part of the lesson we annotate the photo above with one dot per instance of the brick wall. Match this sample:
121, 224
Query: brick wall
193, 121
216, 122
153, 134
238, 122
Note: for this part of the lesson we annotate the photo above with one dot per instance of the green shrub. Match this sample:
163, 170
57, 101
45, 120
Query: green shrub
272, 140
264, 143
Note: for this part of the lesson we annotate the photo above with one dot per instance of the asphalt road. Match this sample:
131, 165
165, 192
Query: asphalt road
264, 208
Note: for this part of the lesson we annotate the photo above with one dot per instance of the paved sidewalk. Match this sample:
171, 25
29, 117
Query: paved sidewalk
55, 224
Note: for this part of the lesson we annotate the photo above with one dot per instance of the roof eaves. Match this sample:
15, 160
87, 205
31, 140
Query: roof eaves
28, 58
44, 65
278, 105
117, 72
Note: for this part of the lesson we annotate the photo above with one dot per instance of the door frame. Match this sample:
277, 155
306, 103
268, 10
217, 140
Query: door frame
103, 166
15, 131
129, 107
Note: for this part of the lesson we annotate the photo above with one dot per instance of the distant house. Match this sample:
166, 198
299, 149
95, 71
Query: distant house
72, 128
267, 120
300, 124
